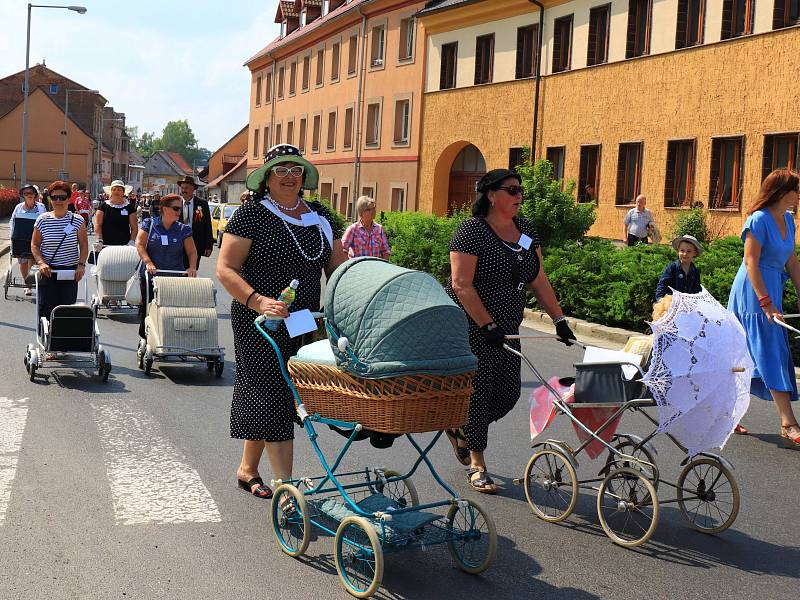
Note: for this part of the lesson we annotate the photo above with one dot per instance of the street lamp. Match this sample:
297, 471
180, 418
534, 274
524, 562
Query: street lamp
64, 173
78, 9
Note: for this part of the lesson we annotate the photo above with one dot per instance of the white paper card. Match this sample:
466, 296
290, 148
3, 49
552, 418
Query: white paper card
69, 229
300, 322
525, 241
165, 240
601, 355
65, 275
310, 219
124, 212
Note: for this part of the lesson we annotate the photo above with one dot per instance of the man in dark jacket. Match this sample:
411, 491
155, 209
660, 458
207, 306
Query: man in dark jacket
197, 215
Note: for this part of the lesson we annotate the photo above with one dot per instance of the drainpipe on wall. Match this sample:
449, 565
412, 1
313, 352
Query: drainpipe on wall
273, 81
539, 42
358, 109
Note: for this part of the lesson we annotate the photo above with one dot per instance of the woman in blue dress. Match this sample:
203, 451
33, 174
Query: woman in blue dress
757, 293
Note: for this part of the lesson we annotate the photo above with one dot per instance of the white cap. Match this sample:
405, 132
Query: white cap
294, 284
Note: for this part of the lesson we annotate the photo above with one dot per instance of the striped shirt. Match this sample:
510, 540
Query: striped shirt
53, 232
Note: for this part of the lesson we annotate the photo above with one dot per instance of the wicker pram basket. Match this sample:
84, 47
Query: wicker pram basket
406, 404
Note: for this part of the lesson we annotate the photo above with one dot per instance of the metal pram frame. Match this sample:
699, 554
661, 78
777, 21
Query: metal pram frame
374, 511
628, 505
20, 249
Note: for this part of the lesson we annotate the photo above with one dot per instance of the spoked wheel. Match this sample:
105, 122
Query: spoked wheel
219, 367
626, 446
147, 360
629, 513
359, 557
403, 492
290, 520
551, 485
140, 354
708, 495
473, 536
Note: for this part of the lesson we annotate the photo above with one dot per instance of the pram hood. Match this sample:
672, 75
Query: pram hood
397, 321
117, 263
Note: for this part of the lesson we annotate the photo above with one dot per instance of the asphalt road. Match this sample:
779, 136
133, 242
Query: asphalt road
77, 522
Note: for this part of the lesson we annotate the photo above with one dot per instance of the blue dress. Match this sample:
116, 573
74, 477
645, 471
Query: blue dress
768, 343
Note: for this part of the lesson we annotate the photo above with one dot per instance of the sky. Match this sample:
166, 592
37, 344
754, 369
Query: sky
154, 60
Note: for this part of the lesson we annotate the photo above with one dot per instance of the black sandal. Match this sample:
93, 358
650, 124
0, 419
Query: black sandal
262, 491
461, 452
482, 484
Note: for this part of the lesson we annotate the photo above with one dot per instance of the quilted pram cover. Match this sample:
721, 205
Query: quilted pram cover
183, 314
115, 265
398, 321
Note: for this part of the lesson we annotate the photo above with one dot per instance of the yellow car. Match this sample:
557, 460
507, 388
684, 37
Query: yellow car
219, 218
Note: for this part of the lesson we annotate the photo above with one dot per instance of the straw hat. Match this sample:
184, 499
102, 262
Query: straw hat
118, 183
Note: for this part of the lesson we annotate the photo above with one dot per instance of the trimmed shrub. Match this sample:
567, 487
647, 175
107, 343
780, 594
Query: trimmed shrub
9, 198
340, 219
691, 222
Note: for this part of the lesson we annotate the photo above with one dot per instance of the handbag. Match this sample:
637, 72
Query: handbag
133, 289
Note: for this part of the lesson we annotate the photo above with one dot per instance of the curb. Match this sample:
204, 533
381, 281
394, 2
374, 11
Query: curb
4, 248
581, 328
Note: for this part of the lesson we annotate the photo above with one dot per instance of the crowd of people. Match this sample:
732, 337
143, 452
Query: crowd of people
495, 257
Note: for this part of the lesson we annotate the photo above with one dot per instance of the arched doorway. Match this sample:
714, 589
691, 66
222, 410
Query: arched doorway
467, 169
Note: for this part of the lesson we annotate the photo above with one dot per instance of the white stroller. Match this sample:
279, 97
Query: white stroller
71, 338
114, 266
181, 323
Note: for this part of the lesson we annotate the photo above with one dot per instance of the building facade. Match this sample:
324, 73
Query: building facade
162, 171
343, 82
684, 101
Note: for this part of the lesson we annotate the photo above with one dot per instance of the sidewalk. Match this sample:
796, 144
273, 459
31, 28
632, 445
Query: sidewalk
587, 333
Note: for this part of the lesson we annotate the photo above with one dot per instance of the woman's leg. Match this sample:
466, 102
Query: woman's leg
784, 405
281, 457
251, 457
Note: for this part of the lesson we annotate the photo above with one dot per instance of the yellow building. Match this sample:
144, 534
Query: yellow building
343, 82
684, 101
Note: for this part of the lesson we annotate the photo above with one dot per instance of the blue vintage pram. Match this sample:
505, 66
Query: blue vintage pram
397, 363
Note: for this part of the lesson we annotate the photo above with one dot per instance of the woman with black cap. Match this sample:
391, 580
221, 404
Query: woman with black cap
494, 258
271, 240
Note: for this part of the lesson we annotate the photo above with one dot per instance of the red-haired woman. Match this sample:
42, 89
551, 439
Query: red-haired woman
757, 293
59, 243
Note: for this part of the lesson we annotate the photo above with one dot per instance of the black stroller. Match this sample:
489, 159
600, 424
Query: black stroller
20, 249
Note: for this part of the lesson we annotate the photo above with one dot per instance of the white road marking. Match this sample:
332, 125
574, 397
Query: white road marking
150, 479
13, 414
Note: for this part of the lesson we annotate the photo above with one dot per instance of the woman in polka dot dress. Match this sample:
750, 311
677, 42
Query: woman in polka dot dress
267, 243
494, 257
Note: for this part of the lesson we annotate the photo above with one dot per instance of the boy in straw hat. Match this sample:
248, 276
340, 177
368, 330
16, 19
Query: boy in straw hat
681, 275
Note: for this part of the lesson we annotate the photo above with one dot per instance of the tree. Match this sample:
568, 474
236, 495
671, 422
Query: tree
146, 144
177, 136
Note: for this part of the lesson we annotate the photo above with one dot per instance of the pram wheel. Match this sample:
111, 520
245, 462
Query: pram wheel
209, 365
103, 365
627, 507
473, 536
551, 485
626, 446
708, 495
219, 366
290, 520
359, 557
403, 492
147, 360
140, 354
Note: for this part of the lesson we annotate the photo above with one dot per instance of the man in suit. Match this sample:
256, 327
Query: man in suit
197, 215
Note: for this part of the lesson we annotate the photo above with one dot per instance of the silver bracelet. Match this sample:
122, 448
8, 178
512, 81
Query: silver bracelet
558, 320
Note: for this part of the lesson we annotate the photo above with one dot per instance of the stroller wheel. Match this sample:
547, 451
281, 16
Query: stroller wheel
209, 365
473, 536
551, 485
625, 446
219, 366
627, 507
147, 360
403, 492
708, 495
359, 557
103, 365
290, 521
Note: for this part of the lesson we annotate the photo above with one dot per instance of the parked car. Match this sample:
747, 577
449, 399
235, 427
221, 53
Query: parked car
219, 218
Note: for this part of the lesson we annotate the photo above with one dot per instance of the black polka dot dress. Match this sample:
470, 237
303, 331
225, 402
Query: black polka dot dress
263, 406
503, 271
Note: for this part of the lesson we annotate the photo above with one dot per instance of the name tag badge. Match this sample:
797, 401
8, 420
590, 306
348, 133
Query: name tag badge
69, 229
525, 241
124, 212
165, 240
310, 219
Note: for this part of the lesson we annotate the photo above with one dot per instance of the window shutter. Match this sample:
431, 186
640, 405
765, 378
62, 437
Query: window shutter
621, 171
520, 69
557, 41
669, 183
715, 189
779, 14
479, 60
630, 46
727, 19
766, 164
591, 56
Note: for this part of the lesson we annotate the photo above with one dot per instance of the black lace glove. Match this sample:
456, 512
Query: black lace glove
564, 333
493, 335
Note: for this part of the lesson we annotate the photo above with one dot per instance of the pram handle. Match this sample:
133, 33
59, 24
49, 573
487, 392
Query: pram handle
543, 337
786, 325
261, 318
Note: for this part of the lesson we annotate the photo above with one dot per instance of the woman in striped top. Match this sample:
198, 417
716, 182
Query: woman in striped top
60, 243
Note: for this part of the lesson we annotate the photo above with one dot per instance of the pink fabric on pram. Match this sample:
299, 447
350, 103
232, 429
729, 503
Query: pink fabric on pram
542, 412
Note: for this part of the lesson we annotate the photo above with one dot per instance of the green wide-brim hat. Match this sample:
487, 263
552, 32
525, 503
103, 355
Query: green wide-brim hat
283, 153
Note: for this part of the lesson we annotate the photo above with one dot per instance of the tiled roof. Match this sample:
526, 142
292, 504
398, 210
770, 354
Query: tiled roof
224, 176
302, 31
180, 162
437, 5
286, 10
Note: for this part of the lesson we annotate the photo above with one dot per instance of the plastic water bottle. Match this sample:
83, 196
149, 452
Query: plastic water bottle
287, 296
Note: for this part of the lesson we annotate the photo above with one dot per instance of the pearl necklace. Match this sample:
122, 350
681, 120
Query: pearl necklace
285, 208
294, 237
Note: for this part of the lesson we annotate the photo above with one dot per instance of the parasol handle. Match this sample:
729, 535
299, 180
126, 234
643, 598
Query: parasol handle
738, 370
786, 326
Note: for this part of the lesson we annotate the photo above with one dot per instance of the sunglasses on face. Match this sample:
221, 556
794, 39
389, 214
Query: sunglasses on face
513, 190
177, 209
59, 198
295, 171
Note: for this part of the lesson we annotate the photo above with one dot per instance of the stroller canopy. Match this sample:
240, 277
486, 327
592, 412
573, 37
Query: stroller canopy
398, 322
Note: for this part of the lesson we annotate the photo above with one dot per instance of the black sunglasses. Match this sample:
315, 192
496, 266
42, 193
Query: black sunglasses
177, 209
59, 198
514, 190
